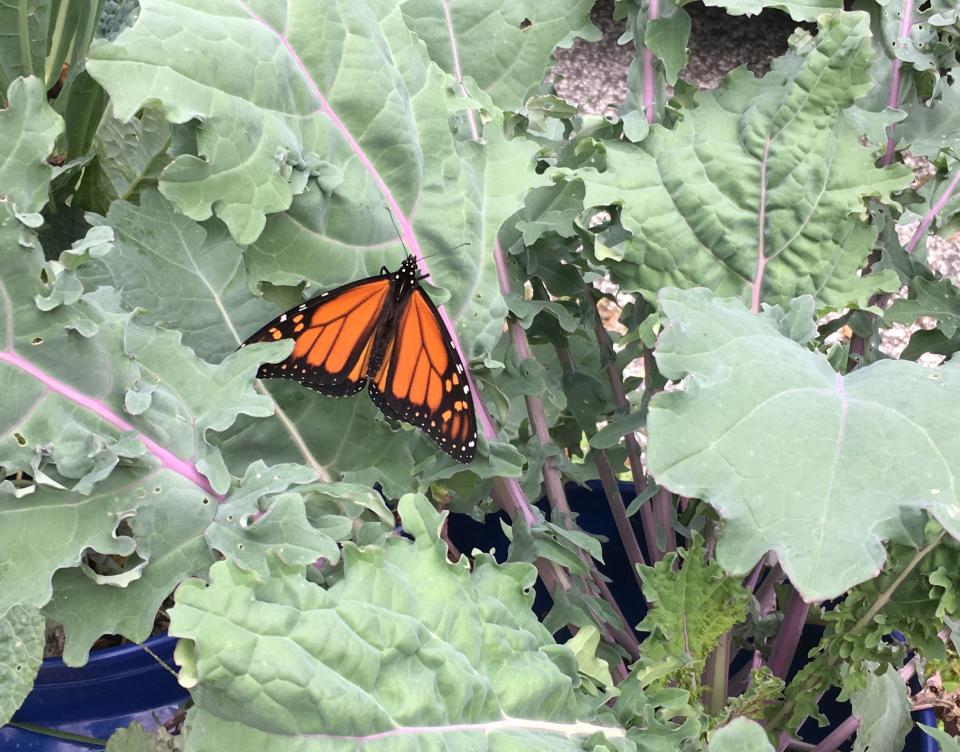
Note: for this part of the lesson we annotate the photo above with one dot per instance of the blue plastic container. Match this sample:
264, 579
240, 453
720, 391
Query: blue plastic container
117, 687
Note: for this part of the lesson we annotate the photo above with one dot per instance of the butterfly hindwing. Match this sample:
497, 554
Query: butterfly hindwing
422, 380
334, 335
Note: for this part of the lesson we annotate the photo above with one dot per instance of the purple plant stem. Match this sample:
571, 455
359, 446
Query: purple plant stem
625, 637
618, 510
615, 378
840, 734
663, 500
932, 213
757, 287
612, 491
893, 100
788, 637
538, 418
649, 96
166, 458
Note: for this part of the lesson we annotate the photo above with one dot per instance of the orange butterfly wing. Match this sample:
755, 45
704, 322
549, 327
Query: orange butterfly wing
422, 380
334, 335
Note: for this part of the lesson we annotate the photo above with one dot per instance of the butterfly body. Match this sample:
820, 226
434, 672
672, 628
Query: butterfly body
383, 333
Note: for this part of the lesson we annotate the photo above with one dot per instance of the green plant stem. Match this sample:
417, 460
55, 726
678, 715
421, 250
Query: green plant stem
615, 378
787, 708
884, 598
23, 22
58, 734
59, 43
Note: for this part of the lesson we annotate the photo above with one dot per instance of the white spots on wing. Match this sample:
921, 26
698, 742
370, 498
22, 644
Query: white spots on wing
302, 307
283, 318
466, 389
472, 444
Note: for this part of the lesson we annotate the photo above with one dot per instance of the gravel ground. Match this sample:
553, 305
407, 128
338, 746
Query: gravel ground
594, 76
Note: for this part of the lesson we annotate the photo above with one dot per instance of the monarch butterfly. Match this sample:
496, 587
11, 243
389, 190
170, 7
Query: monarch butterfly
385, 333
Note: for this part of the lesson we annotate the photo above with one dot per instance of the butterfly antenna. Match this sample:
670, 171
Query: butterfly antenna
397, 228
448, 250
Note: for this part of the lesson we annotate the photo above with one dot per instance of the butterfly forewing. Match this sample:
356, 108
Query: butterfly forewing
386, 331
333, 337
422, 381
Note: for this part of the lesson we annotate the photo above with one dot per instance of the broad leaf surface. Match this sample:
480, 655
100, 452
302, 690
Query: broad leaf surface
23, 45
129, 156
22, 637
182, 274
786, 449
106, 416
761, 185
28, 131
740, 735
503, 45
883, 708
799, 10
407, 652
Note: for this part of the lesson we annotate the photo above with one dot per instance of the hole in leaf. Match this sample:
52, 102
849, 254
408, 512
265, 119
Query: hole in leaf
36, 340
525, 24
20, 439
43, 276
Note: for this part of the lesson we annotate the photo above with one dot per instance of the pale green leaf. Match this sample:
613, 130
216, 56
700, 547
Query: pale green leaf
168, 533
262, 515
180, 274
134, 738
504, 46
740, 735
937, 298
785, 448
406, 650
22, 637
760, 188
667, 37
28, 131
932, 127
65, 374
23, 45
799, 10
129, 155
883, 708
947, 742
